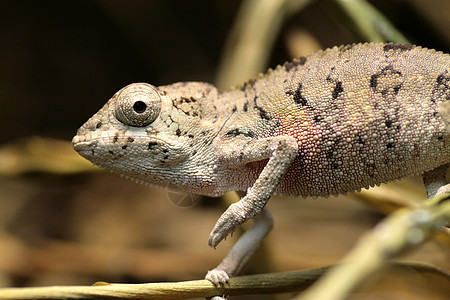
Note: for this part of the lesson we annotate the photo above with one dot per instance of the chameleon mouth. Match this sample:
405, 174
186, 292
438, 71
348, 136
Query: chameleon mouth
83, 146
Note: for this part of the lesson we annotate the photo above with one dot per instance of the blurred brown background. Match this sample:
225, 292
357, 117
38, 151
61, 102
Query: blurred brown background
62, 60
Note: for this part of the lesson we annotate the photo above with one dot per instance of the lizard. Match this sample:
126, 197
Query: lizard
336, 121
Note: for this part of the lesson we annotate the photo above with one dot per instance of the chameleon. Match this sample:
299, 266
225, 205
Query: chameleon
336, 121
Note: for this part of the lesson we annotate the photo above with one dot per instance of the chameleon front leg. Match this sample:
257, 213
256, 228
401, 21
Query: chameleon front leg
281, 151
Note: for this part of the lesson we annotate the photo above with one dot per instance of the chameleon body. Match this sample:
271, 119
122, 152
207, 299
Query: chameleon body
336, 121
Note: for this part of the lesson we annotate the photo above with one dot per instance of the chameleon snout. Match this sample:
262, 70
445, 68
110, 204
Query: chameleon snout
83, 146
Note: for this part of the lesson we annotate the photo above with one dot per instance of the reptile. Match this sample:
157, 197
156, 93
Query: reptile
339, 120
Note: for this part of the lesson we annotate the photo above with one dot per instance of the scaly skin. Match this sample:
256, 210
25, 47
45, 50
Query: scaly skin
339, 120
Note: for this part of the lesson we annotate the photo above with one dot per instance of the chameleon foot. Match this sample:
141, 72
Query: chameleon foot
228, 222
217, 277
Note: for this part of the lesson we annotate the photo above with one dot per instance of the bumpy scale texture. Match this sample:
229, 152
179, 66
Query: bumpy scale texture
362, 114
336, 121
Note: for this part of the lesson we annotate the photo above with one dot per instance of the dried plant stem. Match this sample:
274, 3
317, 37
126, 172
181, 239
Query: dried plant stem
282, 282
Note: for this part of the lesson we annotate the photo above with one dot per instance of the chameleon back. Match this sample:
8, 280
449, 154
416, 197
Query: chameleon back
362, 115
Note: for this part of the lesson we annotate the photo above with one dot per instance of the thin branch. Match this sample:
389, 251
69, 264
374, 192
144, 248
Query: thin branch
282, 282
243, 285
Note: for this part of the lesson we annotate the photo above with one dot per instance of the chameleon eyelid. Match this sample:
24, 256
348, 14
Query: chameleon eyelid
137, 105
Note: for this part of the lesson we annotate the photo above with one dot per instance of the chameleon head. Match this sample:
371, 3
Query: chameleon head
137, 134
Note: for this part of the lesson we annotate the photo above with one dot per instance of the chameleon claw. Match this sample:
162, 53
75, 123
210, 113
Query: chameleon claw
216, 236
231, 219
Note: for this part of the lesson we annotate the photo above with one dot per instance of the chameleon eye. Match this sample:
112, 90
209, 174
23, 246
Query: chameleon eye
137, 104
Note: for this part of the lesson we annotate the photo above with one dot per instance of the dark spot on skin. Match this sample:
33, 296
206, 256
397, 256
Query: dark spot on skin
124, 147
290, 65
302, 60
329, 154
370, 169
151, 145
241, 156
396, 46
295, 63
245, 108
298, 98
251, 82
347, 47
361, 141
440, 138
373, 81
441, 80
236, 131
178, 132
165, 150
194, 152
234, 109
233, 133
130, 140
335, 165
390, 145
441, 91
166, 157
262, 113
116, 138
385, 72
99, 124
435, 114
388, 123
337, 90
191, 136
317, 119
248, 84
